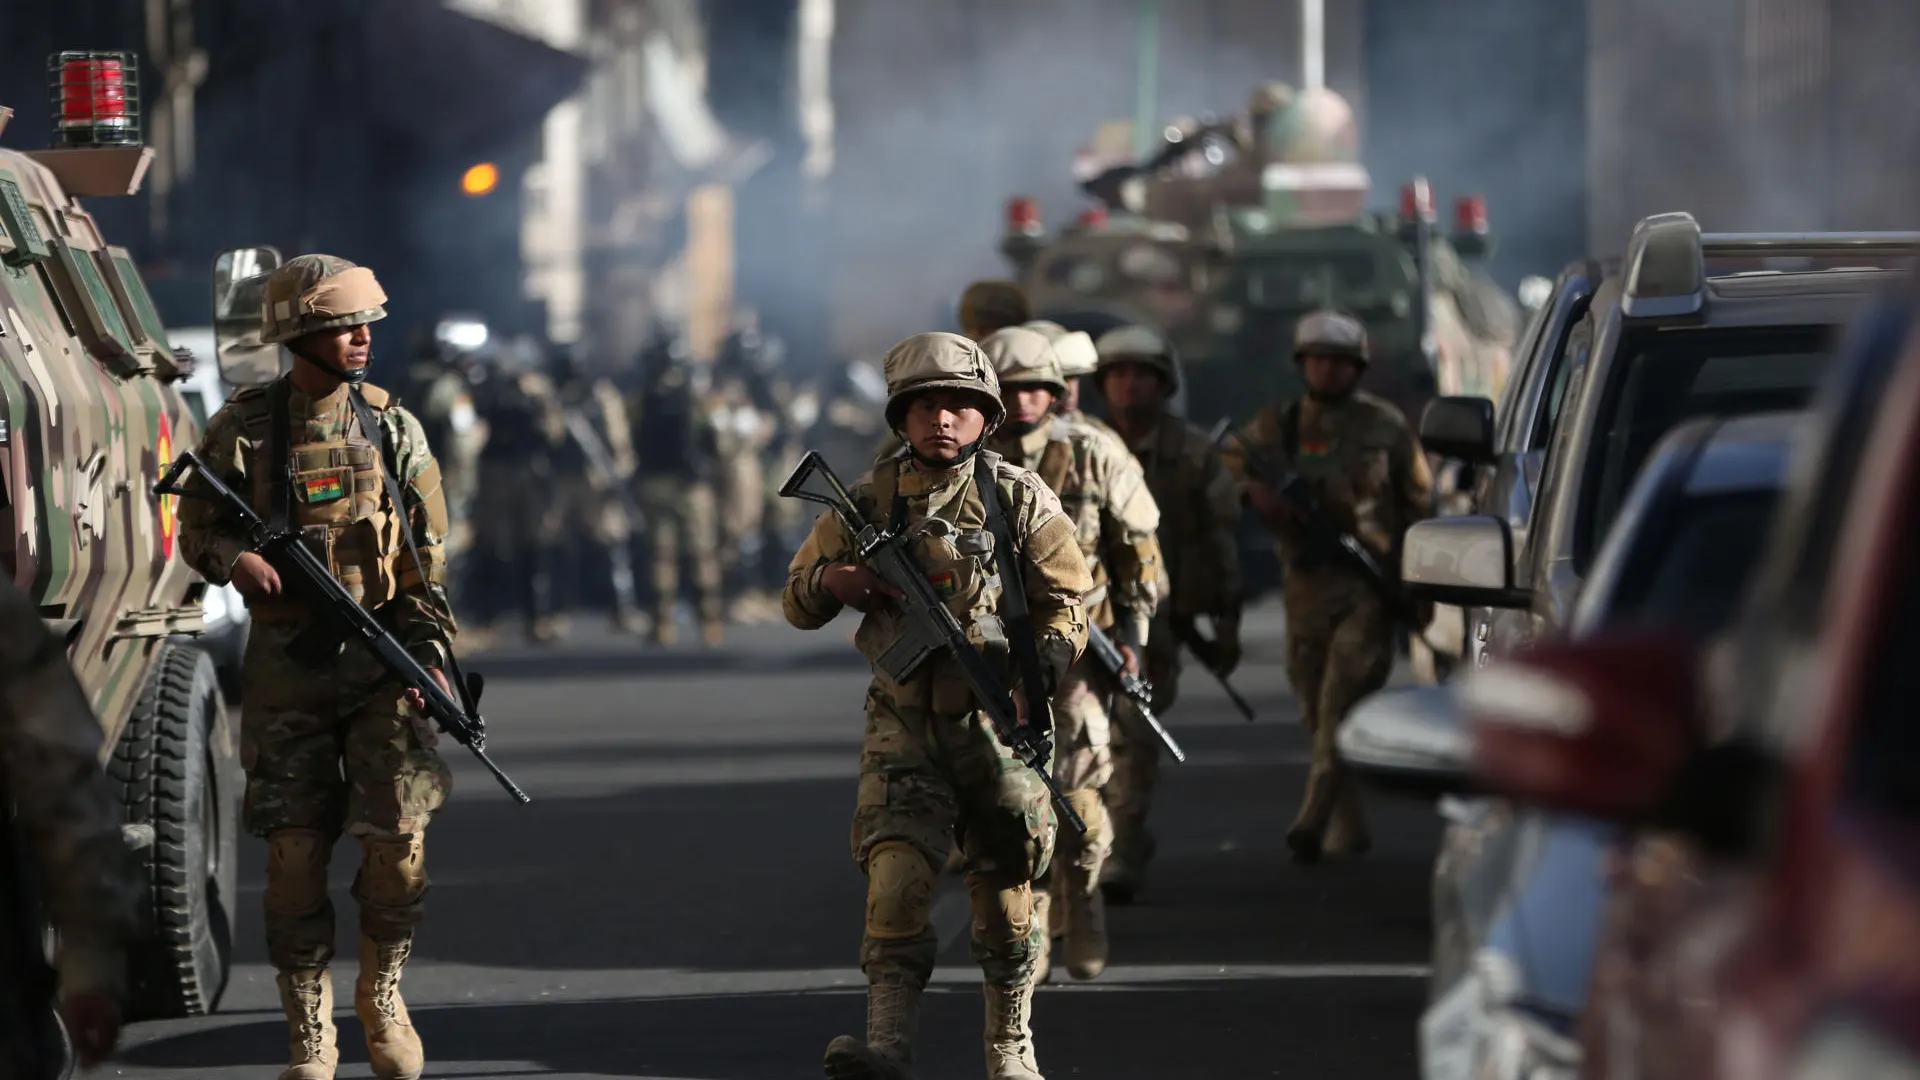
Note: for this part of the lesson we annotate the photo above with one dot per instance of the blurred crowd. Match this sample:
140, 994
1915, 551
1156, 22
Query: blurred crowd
644, 491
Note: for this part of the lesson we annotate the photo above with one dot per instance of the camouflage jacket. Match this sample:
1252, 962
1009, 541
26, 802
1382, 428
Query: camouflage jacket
1199, 509
946, 517
1363, 459
1102, 489
337, 482
68, 816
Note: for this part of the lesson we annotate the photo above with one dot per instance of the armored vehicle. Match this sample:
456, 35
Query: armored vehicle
1231, 231
90, 413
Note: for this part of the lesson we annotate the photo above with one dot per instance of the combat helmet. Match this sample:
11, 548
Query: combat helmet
311, 293
1022, 357
1331, 333
993, 303
939, 361
1139, 345
1073, 348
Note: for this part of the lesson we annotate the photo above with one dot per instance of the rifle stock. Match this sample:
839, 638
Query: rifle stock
300, 569
929, 622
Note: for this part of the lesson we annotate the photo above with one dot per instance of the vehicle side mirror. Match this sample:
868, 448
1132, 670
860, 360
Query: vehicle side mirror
239, 291
1410, 741
1603, 727
1460, 428
1466, 561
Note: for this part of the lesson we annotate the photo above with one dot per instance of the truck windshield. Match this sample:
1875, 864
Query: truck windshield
1673, 376
1692, 568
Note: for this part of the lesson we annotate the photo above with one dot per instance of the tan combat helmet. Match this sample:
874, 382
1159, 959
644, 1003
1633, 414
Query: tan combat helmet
1330, 333
1022, 357
1139, 345
1073, 348
992, 304
319, 292
940, 362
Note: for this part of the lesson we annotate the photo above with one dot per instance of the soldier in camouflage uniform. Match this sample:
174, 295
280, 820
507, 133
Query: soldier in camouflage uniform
932, 764
1078, 359
594, 471
440, 388
69, 821
678, 446
1199, 503
1370, 473
992, 304
519, 510
1104, 494
337, 745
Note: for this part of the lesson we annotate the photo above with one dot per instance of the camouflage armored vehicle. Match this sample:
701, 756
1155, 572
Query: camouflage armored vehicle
1231, 231
90, 413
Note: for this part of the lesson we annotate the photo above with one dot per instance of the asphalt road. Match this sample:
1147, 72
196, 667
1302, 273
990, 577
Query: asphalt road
678, 901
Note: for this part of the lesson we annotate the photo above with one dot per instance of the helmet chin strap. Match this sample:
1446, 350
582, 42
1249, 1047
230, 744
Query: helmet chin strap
966, 451
350, 376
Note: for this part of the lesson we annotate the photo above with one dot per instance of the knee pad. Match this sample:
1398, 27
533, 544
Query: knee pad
297, 871
1002, 913
899, 891
393, 869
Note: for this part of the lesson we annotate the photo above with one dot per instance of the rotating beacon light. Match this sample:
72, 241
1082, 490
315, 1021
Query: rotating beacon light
1470, 214
95, 98
1023, 216
1416, 200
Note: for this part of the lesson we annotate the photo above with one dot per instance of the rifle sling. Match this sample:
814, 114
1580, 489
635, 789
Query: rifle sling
1013, 592
389, 473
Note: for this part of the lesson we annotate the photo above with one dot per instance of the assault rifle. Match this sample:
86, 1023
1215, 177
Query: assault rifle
1208, 653
599, 460
930, 627
1322, 537
1132, 687
302, 571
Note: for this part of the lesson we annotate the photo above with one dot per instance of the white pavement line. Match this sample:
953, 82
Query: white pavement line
451, 985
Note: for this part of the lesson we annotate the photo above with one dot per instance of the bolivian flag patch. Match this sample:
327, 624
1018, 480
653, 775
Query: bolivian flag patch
942, 583
1315, 449
321, 489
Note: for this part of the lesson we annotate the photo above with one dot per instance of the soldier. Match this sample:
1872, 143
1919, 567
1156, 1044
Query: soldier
339, 744
745, 428
678, 452
595, 469
440, 383
1370, 473
69, 822
1114, 516
1078, 359
1199, 503
991, 304
519, 506
932, 763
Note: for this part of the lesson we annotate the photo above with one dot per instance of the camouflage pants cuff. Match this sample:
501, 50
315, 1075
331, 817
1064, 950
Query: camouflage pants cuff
907, 960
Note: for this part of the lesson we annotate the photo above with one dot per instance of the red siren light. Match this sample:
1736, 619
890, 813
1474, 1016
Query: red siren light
1416, 200
95, 98
1092, 217
1470, 213
1023, 214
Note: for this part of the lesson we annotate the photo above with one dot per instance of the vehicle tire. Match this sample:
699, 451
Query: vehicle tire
179, 777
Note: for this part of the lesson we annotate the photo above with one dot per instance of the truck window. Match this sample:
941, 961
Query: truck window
91, 289
1672, 376
134, 292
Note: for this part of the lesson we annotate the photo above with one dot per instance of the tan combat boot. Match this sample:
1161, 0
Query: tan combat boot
893, 1017
1086, 938
393, 1047
1009, 1038
307, 997
713, 633
665, 630
1043, 907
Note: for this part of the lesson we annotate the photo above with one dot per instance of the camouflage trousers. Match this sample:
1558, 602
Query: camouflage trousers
591, 512
683, 522
928, 780
1136, 753
330, 750
1083, 763
1339, 650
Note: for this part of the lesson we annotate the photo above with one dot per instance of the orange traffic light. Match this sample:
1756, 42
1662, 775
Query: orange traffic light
481, 179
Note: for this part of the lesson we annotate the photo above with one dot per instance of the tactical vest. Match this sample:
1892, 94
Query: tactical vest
955, 550
1055, 468
328, 488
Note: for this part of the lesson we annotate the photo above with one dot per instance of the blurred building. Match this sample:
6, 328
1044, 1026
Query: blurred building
1753, 114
